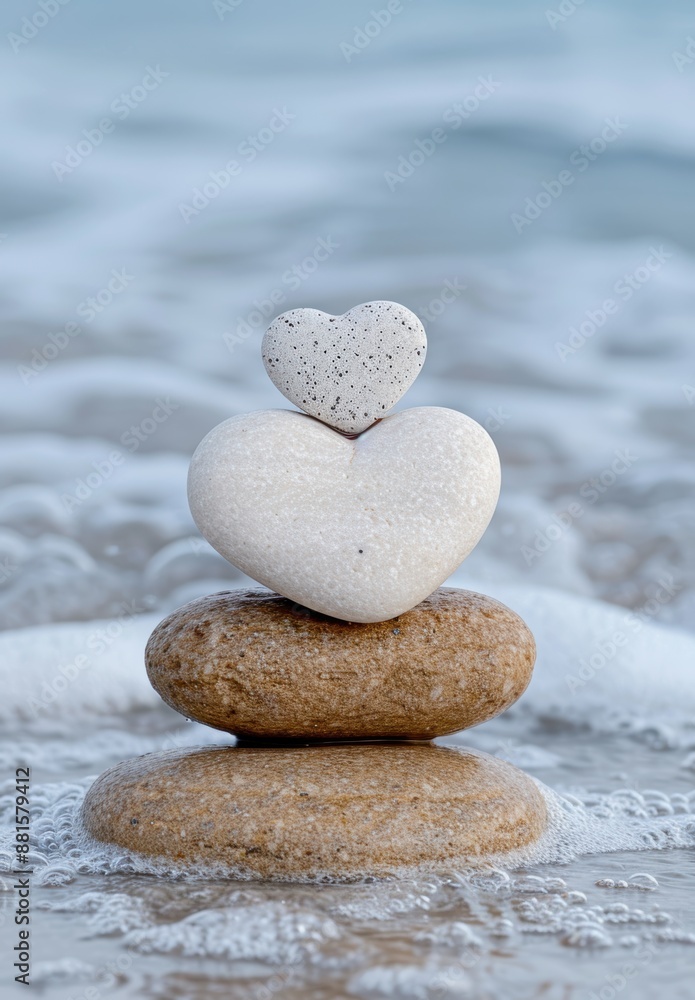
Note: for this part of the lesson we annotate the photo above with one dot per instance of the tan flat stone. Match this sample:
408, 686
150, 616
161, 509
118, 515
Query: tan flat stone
307, 813
254, 664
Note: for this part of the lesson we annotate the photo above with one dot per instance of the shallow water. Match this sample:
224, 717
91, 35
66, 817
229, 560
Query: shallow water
612, 731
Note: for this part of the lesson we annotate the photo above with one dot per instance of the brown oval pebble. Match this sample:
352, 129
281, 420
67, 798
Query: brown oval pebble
307, 813
256, 665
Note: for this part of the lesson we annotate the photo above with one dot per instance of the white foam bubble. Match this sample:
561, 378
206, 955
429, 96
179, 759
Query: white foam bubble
269, 931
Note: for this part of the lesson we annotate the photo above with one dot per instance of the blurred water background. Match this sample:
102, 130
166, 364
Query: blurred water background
175, 173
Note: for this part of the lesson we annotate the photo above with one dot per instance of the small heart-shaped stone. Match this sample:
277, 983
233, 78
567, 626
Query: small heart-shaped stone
347, 371
360, 529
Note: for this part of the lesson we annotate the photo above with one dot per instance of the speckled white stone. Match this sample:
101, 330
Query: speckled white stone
345, 370
362, 528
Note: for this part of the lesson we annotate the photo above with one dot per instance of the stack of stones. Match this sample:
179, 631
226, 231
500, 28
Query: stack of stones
336, 678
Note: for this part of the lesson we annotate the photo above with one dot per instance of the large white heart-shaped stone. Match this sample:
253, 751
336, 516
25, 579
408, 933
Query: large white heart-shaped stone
361, 529
346, 370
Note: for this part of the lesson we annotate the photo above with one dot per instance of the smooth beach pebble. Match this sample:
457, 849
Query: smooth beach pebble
321, 812
359, 529
257, 665
345, 370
